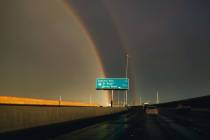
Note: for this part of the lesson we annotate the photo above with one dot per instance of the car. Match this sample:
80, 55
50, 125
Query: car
151, 110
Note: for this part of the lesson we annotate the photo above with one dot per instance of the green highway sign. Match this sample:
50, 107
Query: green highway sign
112, 83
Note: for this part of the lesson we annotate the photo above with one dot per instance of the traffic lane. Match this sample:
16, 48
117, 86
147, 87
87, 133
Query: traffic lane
148, 127
134, 126
183, 131
195, 119
145, 127
111, 129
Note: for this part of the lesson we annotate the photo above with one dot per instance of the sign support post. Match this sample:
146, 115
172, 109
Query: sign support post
118, 98
112, 98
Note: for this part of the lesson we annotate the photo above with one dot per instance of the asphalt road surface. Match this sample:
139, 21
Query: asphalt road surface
132, 126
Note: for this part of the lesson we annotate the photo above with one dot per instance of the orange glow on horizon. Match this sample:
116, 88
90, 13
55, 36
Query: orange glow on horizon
31, 101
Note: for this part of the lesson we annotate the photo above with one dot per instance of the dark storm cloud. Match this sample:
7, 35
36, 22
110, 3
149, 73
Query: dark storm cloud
45, 53
169, 42
106, 37
104, 34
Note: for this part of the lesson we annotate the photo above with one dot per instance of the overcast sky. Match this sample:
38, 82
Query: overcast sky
45, 53
52, 48
168, 42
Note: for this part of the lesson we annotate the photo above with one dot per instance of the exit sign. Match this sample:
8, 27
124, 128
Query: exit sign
112, 83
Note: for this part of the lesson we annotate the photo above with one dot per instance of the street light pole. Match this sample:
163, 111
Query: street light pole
140, 100
60, 99
126, 74
118, 98
90, 99
157, 98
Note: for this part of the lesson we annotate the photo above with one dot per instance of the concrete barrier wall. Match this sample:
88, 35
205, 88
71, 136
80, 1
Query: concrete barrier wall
21, 117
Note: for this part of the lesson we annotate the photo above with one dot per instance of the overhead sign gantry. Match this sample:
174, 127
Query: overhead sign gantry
112, 84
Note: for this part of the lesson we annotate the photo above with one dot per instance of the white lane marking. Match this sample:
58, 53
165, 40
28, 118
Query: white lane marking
188, 134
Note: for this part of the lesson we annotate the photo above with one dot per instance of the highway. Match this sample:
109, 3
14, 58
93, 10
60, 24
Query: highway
131, 125
134, 125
